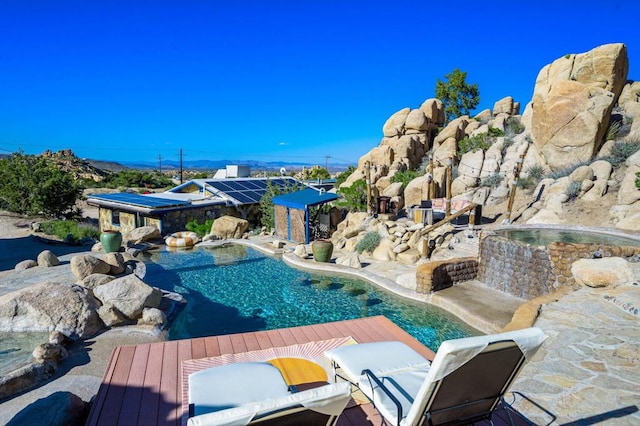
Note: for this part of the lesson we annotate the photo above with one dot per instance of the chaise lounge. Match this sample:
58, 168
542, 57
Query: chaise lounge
465, 383
251, 392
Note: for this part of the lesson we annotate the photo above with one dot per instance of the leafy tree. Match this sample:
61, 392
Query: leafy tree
457, 96
35, 185
344, 175
354, 197
319, 173
267, 217
406, 176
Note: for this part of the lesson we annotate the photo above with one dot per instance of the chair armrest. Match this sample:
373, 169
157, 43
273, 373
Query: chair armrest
372, 377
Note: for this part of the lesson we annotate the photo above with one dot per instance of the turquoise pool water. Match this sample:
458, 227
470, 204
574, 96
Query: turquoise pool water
236, 289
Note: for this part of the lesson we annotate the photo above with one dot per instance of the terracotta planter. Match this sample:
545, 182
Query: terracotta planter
322, 250
111, 241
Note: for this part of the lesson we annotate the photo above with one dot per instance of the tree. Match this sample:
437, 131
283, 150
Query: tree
318, 173
267, 214
457, 96
35, 185
354, 197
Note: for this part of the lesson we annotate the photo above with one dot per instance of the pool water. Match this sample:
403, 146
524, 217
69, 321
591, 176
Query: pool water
546, 236
235, 289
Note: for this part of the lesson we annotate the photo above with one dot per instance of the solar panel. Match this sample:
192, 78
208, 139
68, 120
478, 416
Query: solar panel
250, 190
139, 200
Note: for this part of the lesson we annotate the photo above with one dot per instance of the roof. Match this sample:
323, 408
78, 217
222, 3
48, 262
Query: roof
139, 200
303, 199
240, 190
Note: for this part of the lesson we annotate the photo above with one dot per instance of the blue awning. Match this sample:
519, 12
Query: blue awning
304, 199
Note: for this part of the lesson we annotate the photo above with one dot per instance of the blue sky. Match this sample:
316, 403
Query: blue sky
268, 80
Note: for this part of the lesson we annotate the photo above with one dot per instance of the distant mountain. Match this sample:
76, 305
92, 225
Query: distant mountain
221, 164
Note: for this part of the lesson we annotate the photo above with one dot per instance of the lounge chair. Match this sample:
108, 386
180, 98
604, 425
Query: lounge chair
465, 383
243, 393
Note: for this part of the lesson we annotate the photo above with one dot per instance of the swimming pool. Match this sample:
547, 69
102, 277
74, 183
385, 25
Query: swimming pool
235, 289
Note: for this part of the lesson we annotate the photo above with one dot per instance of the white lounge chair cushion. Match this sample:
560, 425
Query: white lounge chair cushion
330, 399
232, 385
382, 358
403, 385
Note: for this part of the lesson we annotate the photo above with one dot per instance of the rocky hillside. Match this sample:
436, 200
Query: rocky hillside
578, 140
81, 168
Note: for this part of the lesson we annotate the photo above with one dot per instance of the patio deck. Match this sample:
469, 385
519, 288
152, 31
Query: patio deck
142, 384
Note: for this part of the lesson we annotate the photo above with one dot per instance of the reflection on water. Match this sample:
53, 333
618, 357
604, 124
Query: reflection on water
16, 349
546, 236
248, 291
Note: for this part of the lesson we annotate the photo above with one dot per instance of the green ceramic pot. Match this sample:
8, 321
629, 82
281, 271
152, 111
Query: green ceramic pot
111, 241
322, 250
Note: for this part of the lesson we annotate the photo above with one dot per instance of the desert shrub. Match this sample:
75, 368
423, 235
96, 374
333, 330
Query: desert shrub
535, 172
612, 130
494, 132
567, 170
638, 180
514, 126
622, 150
492, 181
64, 228
406, 176
368, 243
573, 190
201, 229
137, 179
354, 197
508, 141
481, 141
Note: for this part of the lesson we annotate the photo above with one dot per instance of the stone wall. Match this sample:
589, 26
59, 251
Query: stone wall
528, 271
435, 276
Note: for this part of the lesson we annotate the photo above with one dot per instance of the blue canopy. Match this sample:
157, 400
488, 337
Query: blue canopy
304, 199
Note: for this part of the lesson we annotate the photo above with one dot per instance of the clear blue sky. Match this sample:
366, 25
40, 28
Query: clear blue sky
268, 80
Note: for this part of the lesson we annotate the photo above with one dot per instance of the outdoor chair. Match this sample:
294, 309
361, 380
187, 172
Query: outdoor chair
251, 392
465, 383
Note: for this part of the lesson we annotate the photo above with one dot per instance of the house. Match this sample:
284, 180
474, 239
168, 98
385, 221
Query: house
198, 199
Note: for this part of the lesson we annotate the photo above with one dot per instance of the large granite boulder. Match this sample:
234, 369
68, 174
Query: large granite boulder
129, 295
394, 126
607, 271
229, 227
25, 264
84, 265
433, 109
572, 102
115, 262
142, 234
46, 258
68, 308
59, 408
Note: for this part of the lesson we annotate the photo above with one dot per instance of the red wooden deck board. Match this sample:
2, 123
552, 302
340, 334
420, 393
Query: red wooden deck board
169, 384
115, 394
213, 346
151, 397
134, 390
142, 383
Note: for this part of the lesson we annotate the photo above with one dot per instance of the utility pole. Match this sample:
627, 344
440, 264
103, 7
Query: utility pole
181, 166
160, 163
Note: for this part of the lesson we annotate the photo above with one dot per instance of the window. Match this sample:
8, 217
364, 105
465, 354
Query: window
115, 217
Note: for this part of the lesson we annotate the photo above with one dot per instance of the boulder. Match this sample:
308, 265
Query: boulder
25, 264
115, 262
94, 280
455, 129
384, 251
628, 193
152, 316
544, 217
352, 260
416, 122
582, 173
394, 126
229, 227
433, 109
129, 295
49, 352
68, 308
603, 272
504, 105
142, 234
447, 149
112, 317
414, 192
83, 265
484, 115
59, 408
393, 190
300, 250
46, 258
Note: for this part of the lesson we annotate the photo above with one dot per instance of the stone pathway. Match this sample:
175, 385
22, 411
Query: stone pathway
588, 370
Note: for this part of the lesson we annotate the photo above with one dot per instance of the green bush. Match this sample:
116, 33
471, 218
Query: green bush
622, 150
201, 229
514, 126
494, 132
481, 141
531, 177
368, 243
137, 179
406, 176
63, 228
267, 213
354, 197
344, 175
573, 190
492, 181
34, 185
612, 130
638, 180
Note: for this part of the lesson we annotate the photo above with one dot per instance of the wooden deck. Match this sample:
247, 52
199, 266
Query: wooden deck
142, 384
